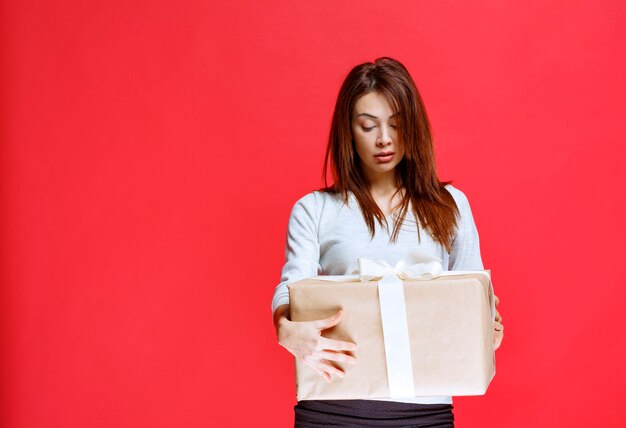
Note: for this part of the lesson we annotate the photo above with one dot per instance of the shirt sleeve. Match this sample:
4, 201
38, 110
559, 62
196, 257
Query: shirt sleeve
465, 254
302, 249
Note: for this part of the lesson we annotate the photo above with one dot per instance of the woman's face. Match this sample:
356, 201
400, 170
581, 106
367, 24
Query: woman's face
375, 132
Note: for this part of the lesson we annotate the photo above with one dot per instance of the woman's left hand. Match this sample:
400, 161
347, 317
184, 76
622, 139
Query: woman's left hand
498, 327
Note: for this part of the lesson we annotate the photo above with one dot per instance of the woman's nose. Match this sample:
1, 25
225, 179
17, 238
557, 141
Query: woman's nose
384, 137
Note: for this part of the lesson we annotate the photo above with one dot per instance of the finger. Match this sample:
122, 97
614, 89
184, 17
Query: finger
498, 316
497, 339
314, 363
330, 369
335, 345
328, 322
337, 356
319, 371
496, 299
498, 326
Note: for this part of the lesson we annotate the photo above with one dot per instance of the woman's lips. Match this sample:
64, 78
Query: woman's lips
385, 158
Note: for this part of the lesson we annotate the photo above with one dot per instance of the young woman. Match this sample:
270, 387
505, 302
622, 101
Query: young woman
382, 160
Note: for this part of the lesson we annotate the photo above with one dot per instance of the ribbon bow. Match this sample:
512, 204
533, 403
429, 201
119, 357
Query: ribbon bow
416, 264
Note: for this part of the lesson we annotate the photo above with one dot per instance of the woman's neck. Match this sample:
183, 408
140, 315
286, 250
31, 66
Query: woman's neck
386, 192
383, 186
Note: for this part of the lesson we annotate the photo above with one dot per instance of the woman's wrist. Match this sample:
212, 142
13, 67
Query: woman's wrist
281, 316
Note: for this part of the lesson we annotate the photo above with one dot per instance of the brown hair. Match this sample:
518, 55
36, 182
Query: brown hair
432, 204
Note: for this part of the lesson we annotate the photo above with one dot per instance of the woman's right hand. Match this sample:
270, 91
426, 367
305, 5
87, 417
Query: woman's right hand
305, 341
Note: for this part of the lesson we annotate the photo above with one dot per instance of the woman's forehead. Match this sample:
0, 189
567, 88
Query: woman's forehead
373, 105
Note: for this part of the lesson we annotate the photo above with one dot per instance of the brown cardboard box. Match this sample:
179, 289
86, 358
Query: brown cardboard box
450, 323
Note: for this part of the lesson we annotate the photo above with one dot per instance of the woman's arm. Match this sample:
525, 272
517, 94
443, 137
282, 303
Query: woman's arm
304, 339
465, 254
302, 247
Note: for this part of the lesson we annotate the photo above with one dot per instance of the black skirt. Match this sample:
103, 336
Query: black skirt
371, 413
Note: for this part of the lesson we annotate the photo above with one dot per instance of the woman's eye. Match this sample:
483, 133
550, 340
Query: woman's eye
368, 129
393, 126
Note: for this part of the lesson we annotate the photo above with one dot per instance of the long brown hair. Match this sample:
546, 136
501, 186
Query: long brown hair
432, 204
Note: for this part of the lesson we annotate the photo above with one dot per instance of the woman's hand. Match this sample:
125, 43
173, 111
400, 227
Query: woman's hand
498, 327
305, 341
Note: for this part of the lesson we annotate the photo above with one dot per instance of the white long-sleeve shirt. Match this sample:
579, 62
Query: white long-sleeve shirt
326, 237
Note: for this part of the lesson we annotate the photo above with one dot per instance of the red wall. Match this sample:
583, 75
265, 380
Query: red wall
151, 152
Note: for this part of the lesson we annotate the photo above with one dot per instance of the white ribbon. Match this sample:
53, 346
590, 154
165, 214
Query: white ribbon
416, 265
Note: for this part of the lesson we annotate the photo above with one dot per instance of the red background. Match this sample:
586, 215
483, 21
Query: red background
151, 152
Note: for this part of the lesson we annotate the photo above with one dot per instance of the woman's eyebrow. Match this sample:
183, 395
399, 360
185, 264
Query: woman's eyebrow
374, 117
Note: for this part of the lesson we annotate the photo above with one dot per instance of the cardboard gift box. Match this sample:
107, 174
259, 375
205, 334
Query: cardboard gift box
434, 337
